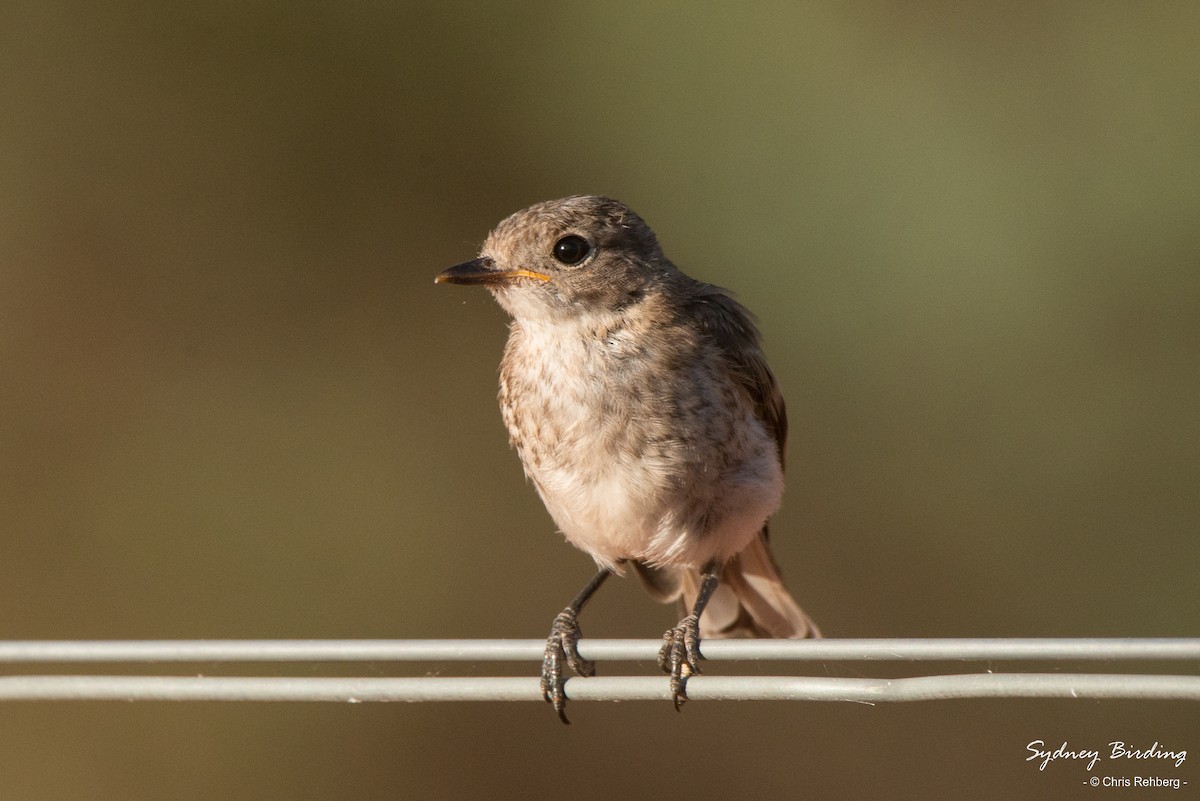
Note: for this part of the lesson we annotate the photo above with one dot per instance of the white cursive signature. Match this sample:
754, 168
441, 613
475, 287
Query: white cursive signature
1119, 750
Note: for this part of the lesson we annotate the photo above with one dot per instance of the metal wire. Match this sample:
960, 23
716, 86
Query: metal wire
613, 688
472, 688
875, 650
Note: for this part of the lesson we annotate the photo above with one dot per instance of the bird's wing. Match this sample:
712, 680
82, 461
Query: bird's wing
733, 329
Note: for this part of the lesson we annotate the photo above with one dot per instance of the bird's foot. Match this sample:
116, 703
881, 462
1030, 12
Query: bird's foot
562, 646
680, 657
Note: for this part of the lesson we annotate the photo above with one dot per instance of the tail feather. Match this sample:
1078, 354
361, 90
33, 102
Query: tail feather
764, 607
750, 601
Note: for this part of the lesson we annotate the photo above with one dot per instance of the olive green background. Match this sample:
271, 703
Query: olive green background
234, 404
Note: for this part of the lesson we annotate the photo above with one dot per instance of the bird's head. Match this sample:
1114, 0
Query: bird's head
566, 258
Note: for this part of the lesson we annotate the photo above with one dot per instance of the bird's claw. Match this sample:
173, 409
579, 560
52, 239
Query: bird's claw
562, 646
680, 657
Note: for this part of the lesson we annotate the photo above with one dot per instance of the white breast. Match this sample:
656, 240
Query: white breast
617, 477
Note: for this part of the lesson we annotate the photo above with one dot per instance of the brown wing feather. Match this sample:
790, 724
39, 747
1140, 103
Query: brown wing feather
733, 329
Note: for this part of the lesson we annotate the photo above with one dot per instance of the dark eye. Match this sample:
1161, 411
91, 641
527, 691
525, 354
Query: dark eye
571, 249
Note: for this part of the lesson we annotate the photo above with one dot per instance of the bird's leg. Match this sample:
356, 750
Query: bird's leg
679, 656
563, 646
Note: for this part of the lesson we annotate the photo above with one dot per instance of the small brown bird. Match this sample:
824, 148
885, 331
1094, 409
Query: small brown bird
644, 412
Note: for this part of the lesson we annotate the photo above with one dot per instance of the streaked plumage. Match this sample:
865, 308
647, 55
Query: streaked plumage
642, 408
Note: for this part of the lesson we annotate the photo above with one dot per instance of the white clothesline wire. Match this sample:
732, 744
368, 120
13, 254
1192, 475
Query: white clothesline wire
829, 650
599, 688
471, 688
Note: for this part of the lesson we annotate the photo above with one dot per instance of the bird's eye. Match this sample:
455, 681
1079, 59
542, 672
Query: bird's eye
571, 249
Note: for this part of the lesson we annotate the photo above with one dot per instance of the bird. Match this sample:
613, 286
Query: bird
642, 408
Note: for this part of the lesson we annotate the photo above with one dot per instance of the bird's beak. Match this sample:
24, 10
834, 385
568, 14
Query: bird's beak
483, 271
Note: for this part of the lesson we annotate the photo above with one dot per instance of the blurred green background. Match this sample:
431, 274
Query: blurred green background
234, 404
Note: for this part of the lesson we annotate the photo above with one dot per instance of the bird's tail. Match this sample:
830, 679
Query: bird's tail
750, 601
